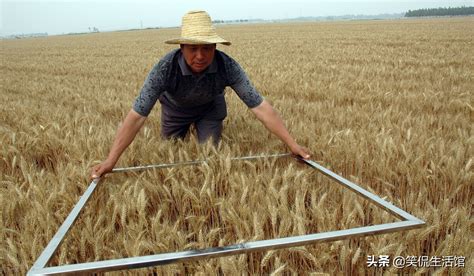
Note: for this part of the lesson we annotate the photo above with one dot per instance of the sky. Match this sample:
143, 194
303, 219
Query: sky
67, 16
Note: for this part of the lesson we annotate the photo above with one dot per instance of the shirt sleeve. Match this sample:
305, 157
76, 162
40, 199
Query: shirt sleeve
152, 89
241, 84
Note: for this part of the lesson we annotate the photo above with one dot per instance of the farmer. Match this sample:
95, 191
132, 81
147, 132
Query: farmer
189, 82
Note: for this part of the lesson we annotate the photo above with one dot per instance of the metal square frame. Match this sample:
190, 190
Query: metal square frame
407, 222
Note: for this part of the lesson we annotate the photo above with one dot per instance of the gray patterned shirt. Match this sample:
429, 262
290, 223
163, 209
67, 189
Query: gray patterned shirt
173, 83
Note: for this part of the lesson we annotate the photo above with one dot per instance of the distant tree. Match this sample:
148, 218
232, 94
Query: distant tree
441, 12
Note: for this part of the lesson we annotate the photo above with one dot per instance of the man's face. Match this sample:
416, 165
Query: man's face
198, 57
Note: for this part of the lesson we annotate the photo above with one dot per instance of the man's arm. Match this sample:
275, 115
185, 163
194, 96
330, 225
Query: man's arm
273, 122
125, 135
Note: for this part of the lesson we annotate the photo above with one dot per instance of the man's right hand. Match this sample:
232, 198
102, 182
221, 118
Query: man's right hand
125, 135
102, 169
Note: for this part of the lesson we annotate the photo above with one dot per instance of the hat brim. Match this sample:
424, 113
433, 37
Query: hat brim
198, 41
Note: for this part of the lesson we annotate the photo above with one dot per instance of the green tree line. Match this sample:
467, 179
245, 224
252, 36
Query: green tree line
441, 11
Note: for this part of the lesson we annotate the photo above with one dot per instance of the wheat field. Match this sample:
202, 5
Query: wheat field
386, 104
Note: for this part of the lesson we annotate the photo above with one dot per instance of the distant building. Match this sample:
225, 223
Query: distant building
19, 36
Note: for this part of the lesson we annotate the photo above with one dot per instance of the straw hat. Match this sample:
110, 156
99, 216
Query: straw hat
196, 28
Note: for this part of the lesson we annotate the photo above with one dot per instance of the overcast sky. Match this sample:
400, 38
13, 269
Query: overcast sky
57, 17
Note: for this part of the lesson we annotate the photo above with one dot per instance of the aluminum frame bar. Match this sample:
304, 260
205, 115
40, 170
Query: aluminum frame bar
39, 267
168, 258
189, 163
57, 239
366, 194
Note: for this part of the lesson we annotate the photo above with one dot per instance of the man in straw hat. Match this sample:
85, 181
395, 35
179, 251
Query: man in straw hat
189, 82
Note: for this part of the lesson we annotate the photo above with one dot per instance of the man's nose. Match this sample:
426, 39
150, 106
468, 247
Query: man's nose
199, 54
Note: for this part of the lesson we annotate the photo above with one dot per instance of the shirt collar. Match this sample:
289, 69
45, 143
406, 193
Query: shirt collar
187, 72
